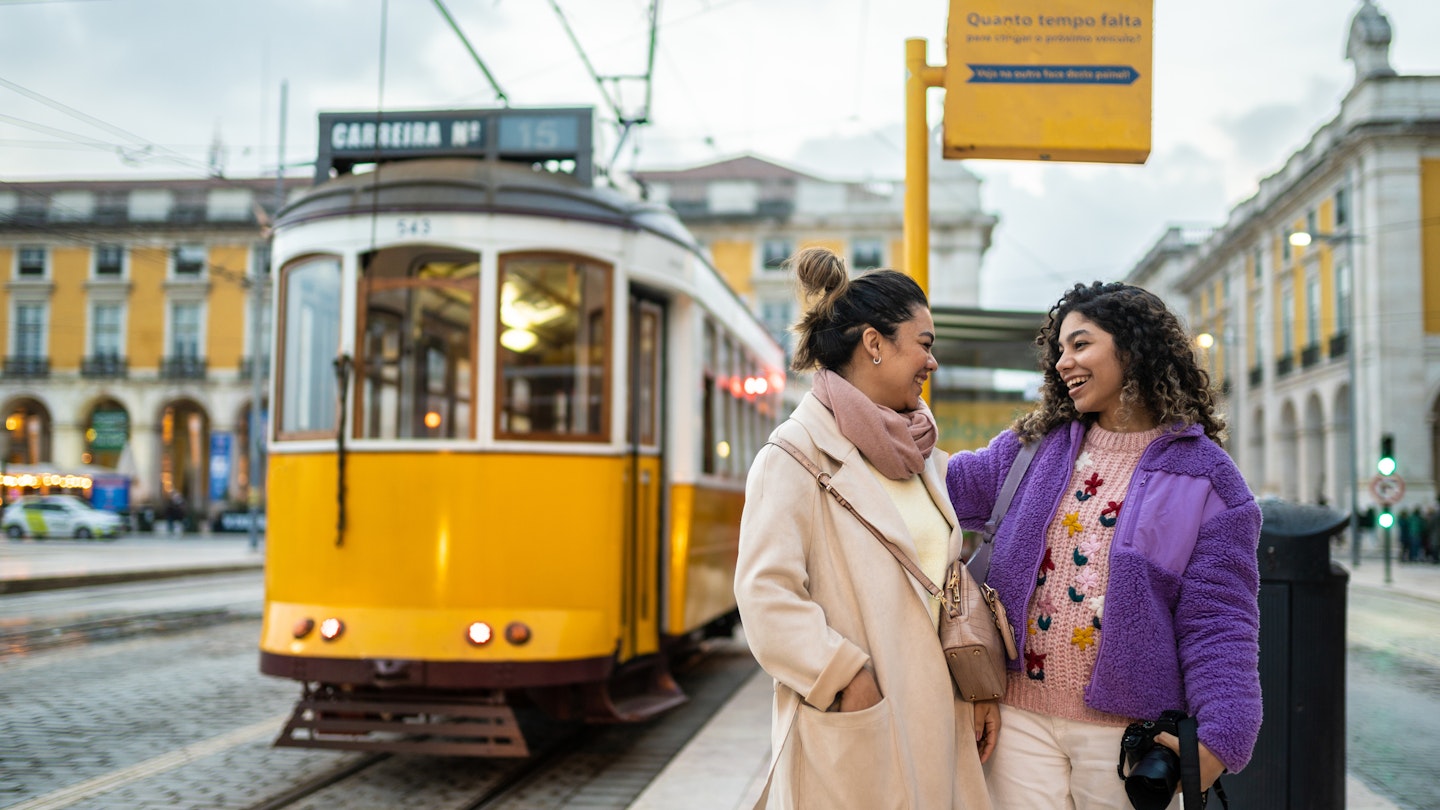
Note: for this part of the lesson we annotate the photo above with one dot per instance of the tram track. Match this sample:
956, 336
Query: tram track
310, 787
237, 766
433, 783
596, 765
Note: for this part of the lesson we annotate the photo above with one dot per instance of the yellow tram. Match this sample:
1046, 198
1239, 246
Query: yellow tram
511, 418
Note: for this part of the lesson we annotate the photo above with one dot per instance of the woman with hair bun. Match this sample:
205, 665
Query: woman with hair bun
866, 714
1127, 559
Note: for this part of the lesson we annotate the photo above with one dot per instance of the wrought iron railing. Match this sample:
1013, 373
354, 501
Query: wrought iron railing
104, 365
182, 368
26, 366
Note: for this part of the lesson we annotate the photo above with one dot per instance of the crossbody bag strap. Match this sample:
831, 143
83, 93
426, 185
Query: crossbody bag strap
979, 562
823, 479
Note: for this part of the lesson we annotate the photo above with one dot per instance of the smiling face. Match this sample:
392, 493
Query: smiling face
905, 362
1090, 367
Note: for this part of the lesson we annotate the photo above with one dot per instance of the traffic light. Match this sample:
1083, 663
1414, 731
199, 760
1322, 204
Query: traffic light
1386, 464
1386, 467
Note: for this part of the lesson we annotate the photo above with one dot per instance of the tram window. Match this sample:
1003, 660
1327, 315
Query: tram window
708, 404
310, 340
645, 355
554, 349
414, 372
734, 382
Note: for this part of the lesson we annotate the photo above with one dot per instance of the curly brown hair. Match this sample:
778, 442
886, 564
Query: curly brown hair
1162, 376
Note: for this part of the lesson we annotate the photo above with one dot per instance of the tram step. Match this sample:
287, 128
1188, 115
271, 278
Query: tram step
425, 726
640, 693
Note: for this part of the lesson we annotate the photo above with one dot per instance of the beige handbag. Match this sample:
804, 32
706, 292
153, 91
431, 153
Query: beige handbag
974, 632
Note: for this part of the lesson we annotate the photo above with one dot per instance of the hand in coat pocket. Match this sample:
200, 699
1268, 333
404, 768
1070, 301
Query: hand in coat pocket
861, 693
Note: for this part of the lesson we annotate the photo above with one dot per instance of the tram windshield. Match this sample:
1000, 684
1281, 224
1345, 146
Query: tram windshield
310, 340
554, 340
414, 366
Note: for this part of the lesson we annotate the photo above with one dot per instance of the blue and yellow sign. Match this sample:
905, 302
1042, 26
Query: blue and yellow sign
1049, 80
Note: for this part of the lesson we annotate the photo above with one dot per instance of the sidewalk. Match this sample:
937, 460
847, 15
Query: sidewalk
34, 565
721, 768
724, 766
1418, 580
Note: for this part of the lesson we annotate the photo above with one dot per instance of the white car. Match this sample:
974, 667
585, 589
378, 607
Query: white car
59, 516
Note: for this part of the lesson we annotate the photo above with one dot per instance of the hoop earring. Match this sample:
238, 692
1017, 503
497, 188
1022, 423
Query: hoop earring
876, 361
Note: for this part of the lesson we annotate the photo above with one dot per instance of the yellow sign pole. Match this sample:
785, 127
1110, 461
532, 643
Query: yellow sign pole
919, 77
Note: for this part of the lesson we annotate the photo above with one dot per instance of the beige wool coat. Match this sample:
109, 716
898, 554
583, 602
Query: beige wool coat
820, 597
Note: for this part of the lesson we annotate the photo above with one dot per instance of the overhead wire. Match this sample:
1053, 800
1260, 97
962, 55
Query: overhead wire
137, 141
134, 149
475, 55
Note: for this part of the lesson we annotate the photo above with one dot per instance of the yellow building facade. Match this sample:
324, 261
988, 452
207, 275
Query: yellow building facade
1319, 297
128, 338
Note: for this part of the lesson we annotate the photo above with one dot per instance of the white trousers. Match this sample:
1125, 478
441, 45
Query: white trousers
1049, 763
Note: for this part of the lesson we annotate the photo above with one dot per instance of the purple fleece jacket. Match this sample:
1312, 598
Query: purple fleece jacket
1182, 620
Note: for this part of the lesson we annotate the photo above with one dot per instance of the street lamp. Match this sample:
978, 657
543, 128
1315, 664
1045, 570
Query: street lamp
1304, 239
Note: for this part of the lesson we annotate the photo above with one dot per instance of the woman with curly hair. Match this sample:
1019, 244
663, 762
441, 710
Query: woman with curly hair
1126, 560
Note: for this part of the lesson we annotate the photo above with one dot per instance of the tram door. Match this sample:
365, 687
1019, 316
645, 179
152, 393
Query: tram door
641, 609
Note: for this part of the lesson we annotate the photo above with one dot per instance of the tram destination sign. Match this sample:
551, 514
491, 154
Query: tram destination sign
560, 135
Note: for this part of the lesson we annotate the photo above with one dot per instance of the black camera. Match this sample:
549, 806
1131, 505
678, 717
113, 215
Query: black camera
1154, 769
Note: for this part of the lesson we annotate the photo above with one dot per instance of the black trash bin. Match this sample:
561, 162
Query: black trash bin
1299, 759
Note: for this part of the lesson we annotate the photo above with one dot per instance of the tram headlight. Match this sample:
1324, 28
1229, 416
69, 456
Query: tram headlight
479, 634
303, 627
331, 628
517, 633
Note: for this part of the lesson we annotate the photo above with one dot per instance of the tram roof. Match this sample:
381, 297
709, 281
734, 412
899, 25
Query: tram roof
479, 186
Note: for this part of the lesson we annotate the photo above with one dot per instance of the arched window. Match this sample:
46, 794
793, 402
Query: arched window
27, 432
107, 434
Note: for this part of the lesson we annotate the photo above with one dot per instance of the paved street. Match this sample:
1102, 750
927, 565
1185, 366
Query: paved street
1393, 696
183, 719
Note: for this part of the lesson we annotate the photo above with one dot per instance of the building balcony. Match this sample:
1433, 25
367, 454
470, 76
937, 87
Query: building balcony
247, 367
104, 365
1310, 355
1339, 344
27, 367
182, 368
1257, 375
777, 209
1284, 365
687, 209
762, 209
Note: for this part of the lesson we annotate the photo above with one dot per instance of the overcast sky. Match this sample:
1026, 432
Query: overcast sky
817, 84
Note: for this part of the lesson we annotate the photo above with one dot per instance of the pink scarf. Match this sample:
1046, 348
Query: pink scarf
896, 443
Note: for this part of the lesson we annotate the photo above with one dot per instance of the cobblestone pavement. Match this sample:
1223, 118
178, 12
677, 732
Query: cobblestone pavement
80, 714
186, 721
1393, 697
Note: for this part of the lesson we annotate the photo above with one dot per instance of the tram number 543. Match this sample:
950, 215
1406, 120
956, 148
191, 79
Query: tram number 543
412, 227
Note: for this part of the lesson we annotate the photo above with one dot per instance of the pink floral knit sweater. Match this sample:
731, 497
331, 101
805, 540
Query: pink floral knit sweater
1068, 608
